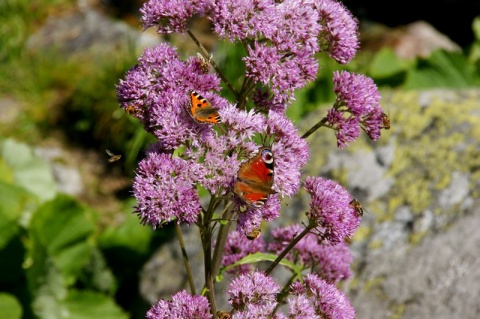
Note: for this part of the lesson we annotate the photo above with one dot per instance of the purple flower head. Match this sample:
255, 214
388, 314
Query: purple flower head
253, 289
290, 153
171, 15
241, 127
182, 305
251, 219
215, 166
330, 209
331, 262
357, 107
165, 191
158, 88
301, 308
339, 35
346, 129
282, 73
237, 247
239, 19
325, 298
292, 26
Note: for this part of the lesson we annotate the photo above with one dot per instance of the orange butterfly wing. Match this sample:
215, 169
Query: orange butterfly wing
255, 179
201, 110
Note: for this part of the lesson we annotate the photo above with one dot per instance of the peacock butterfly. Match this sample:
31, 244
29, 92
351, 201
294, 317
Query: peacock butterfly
255, 179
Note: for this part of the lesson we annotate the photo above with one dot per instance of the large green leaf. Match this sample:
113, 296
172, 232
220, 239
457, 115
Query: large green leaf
10, 308
13, 202
442, 69
386, 63
129, 235
60, 230
29, 171
88, 305
257, 257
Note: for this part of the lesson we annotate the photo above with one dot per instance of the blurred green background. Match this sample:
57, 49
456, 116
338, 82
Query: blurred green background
78, 255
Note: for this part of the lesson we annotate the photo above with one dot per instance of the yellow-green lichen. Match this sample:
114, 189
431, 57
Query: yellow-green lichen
397, 311
362, 233
373, 284
431, 143
433, 134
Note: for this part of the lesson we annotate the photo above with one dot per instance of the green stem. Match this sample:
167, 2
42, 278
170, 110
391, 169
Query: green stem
207, 56
221, 239
185, 258
288, 248
315, 127
209, 279
285, 290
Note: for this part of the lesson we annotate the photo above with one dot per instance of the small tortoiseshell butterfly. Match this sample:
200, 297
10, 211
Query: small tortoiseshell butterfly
201, 110
255, 179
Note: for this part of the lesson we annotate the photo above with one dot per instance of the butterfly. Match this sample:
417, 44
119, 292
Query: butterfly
113, 157
201, 110
255, 179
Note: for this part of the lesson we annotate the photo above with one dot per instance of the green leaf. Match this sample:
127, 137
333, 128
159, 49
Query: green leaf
88, 305
258, 257
97, 275
29, 171
442, 69
476, 28
386, 63
60, 230
13, 202
10, 307
130, 234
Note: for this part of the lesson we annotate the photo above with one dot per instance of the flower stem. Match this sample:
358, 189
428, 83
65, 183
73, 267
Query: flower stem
209, 279
207, 56
288, 248
315, 127
185, 258
285, 290
221, 239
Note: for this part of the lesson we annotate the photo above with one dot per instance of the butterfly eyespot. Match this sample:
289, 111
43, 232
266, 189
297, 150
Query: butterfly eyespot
267, 156
258, 204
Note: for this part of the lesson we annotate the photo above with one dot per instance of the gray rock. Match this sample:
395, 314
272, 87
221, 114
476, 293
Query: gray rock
439, 278
88, 32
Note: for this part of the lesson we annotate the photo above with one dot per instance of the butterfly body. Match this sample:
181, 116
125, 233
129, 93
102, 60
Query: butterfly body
255, 179
201, 110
